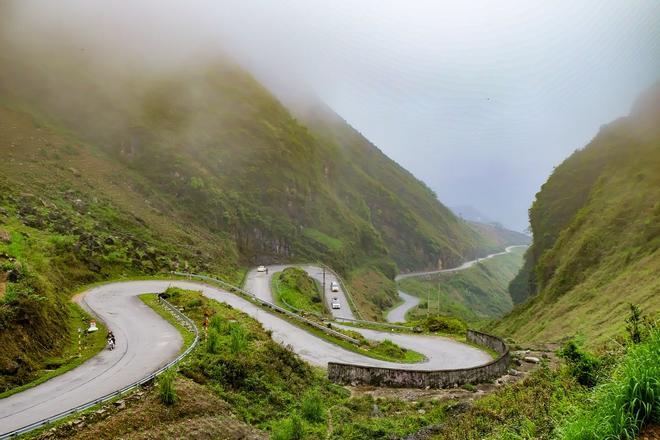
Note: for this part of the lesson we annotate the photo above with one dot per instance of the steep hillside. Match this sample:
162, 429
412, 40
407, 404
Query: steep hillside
596, 226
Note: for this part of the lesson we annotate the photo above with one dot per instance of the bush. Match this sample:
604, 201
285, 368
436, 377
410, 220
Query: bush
219, 324
166, 390
238, 339
444, 324
583, 366
289, 429
389, 349
213, 341
312, 406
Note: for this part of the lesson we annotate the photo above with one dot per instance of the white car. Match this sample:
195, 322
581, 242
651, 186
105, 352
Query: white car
261, 269
334, 287
335, 304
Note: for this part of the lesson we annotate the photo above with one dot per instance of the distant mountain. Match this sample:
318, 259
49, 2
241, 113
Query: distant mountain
596, 225
468, 212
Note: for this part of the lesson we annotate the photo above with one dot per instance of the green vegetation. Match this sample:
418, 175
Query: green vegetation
264, 387
82, 346
473, 294
294, 289
630, 400
373, 291
596, 237
166, 391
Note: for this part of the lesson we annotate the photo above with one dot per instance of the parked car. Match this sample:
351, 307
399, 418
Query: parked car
335, 304
334, 286
262, 269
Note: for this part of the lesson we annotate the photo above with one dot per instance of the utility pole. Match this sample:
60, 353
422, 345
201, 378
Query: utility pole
323, 296
428, 303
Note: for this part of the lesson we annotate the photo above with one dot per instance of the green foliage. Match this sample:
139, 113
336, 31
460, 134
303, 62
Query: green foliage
291, 428
625, 404
585, 367
389, 349
238, 339
311, 406
213, 341
634, 324
166, 391
443, 324
294, 288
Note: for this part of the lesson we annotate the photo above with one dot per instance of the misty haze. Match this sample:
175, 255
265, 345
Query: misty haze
349, 220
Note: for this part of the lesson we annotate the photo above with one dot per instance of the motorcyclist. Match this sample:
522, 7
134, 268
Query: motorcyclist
111, 340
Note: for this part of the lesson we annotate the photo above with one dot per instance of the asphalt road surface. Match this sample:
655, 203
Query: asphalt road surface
398, 314
259, 283
146, 342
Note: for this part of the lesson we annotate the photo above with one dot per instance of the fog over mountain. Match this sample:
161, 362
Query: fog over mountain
478, 99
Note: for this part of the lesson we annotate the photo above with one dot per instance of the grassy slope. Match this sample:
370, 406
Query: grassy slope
471, 294
294, 287
596, 236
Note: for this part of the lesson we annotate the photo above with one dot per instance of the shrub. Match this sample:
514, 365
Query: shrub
583, 366
219, 324
444, 324
289, 429
166, 390
213, 341
389, 349
312, 406
238, 339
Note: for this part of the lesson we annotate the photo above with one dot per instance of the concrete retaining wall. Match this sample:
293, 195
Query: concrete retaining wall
348, 374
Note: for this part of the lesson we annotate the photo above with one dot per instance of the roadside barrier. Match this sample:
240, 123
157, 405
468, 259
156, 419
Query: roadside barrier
350, 374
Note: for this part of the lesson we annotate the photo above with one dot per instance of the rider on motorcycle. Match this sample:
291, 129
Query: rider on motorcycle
111, 340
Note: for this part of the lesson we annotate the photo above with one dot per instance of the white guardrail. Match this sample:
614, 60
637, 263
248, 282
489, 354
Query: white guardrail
114, 394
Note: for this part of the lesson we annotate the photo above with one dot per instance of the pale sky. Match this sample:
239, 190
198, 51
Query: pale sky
479, 99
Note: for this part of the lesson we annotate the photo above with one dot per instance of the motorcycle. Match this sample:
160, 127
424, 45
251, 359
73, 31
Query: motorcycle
111, 344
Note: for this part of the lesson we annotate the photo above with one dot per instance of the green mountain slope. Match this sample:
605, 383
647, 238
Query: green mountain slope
596, 226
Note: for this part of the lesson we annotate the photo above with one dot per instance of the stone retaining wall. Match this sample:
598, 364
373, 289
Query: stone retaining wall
348, 374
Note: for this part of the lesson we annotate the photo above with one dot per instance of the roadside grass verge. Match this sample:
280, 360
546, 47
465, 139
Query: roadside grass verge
90, 345
293, 289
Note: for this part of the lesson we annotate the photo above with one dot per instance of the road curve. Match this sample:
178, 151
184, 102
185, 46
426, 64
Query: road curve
145, 342
398, 314
259, 283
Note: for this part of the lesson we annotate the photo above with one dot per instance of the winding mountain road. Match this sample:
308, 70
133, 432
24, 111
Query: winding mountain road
146, 342
398, 314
